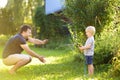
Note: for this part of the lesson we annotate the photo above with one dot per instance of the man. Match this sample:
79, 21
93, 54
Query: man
15, 45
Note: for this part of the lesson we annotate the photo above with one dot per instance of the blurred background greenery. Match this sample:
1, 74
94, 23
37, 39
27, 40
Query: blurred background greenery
66, 29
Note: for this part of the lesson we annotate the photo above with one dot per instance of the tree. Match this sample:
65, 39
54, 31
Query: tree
12, 17
87, 12
7, 26
16, 13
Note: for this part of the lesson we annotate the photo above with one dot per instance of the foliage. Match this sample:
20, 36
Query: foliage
14, 15
3, 39
50, 26
78, 56
87, 12
106, 47
107, 44
115, 70
17, 12
37, 17
11, 17
6, 24
29, 9
116, 59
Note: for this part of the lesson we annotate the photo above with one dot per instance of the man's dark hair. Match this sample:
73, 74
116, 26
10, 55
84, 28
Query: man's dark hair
24, 28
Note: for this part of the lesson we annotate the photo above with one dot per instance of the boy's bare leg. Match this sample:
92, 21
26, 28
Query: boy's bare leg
90, 70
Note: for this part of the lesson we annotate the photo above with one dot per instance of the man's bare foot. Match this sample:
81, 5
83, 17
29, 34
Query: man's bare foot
12, 72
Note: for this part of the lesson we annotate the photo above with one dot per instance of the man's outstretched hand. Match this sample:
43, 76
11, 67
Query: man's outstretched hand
41, 58
45, 41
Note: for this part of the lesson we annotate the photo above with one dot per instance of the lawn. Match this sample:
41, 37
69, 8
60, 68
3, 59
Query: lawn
60, 65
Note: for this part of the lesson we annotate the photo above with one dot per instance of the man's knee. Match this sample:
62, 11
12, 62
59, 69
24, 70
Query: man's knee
28, 59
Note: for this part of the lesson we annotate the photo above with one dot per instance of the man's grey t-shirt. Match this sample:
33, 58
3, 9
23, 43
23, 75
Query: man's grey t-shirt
90, 51
13, 45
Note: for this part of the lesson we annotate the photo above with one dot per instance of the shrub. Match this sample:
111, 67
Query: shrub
115, 70
106, 46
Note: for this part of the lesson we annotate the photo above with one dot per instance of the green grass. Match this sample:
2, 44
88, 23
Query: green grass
60, 65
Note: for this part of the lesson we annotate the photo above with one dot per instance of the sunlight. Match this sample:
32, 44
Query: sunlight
84, 78
2, 66
34, 61
3, 3
49, 60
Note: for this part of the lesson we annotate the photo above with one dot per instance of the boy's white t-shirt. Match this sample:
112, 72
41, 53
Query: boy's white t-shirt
90, 51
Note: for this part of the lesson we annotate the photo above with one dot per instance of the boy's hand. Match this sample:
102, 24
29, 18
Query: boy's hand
81, 48
78, 45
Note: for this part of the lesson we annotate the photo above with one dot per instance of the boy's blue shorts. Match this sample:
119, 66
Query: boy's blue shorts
89, 60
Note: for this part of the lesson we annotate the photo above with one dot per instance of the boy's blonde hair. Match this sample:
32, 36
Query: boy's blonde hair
91, 29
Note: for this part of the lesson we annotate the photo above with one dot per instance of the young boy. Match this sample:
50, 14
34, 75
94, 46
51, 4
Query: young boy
89, 49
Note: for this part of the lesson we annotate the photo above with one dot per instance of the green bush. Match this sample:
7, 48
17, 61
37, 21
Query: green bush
107, 43
106, 46
87, 12
115, 70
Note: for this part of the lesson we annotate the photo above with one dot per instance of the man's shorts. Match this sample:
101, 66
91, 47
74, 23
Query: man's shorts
89, 60
14, 58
